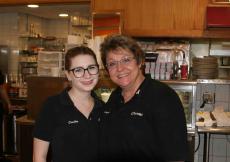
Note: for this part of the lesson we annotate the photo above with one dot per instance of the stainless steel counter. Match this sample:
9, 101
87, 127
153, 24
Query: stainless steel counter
214, 81
208, 131
180, 82
214, 130
24, 120
194, 82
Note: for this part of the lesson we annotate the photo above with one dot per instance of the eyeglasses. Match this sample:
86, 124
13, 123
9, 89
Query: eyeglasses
79, 72
124, 61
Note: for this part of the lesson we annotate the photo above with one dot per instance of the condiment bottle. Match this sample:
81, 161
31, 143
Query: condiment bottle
184, 68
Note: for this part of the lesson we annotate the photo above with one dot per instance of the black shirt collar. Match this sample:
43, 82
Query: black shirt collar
139, 91
66, 100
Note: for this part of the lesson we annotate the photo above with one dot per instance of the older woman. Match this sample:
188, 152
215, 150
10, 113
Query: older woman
143, 118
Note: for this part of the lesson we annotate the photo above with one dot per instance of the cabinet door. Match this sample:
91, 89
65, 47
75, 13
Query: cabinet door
167, 18
184, 18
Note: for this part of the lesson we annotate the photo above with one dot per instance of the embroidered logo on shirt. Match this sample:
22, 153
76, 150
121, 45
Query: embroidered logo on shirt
138, 92
73, 122
106, 112
136, 114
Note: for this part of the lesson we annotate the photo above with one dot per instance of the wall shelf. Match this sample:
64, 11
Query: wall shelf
224, 67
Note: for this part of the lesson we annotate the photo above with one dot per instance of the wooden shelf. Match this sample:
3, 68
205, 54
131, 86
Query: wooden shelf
81, 26
18, 99
222, 33
224, 67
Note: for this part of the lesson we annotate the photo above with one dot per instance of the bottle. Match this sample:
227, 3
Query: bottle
10, 87
175, 67
14, 86
184, 68
6, 84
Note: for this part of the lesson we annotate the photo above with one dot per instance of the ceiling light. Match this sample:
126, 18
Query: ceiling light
63, 15
32, 5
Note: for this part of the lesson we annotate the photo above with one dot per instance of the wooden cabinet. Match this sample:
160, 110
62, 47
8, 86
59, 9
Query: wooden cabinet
13, 2
184, 18
158, 18
220, 1
39, 88
218, 32
107, 5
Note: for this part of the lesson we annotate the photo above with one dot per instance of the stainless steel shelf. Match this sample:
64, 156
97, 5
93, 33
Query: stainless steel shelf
214, 81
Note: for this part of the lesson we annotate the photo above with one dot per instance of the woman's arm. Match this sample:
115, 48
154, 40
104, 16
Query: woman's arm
40, 150
5, 98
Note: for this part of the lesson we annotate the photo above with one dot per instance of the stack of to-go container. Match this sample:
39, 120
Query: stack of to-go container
205, 68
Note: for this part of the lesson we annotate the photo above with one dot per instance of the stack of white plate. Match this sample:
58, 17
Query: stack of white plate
205, 68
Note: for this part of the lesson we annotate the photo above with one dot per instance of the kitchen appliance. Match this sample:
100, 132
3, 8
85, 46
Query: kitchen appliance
187, 93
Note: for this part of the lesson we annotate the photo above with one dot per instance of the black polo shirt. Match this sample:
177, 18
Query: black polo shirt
149, 127
72, 136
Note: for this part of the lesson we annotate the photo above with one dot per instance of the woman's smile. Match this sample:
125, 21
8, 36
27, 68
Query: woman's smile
87, 82
121, 76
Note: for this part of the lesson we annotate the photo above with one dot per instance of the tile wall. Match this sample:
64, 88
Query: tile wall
219, 144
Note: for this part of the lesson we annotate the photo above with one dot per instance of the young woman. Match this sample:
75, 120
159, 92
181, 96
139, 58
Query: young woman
69, 121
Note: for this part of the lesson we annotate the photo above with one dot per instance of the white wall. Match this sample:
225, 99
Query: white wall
199, 48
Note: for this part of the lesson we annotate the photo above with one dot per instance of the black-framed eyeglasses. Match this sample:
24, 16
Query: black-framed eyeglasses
79, 72
124, 61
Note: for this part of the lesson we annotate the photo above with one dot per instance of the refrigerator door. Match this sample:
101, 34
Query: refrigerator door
4, 55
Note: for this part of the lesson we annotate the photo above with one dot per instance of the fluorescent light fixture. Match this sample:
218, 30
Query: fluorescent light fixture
32, 5
63, 15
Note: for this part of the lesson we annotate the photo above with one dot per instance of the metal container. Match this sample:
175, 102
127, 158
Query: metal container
9, 131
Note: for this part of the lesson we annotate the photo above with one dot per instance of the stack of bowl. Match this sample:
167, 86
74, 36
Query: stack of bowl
205, 68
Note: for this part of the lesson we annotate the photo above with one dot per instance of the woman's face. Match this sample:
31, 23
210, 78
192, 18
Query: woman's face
123, 68
81, 78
